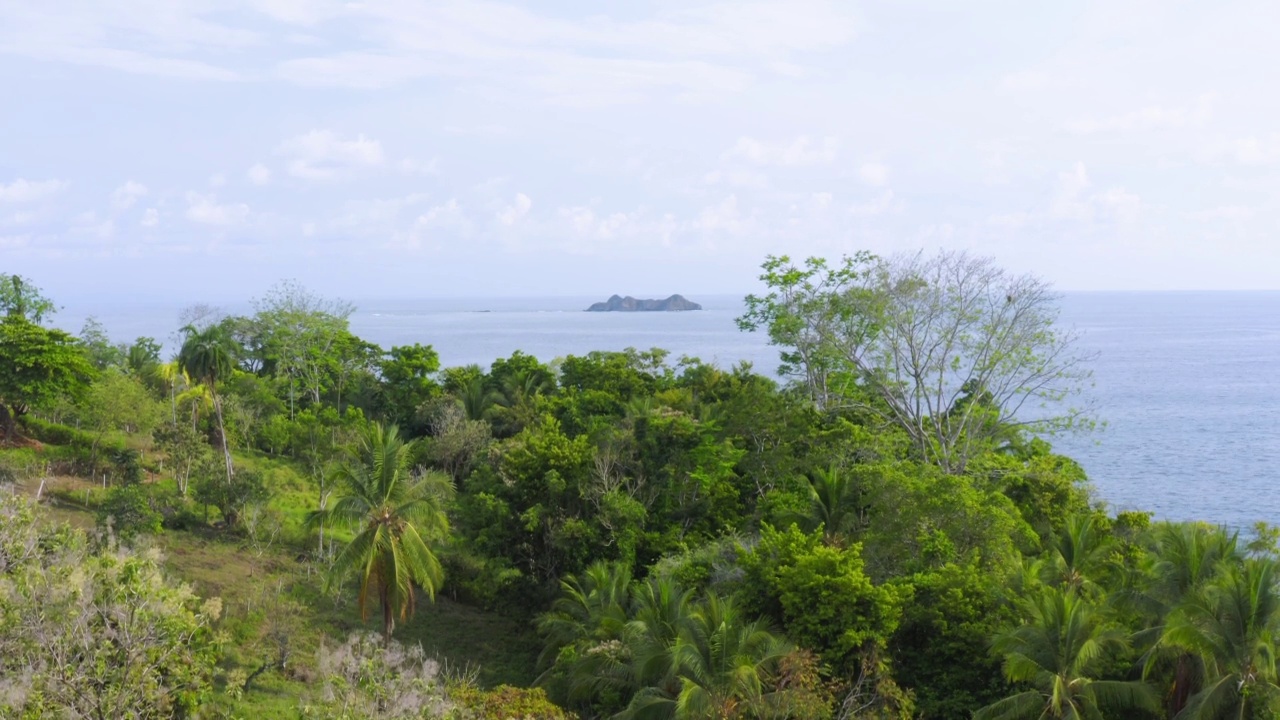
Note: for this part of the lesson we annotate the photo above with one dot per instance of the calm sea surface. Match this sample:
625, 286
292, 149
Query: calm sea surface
1188, 383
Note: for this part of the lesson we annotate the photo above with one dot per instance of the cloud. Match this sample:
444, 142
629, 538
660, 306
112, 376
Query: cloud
150, 218
259, 174
799, 152
1153, 117
127, 194
1072, 201
29, 191
725, 218
1069, 202
512, 214
325, 155
1255, 151
206, 210
736, 178
874, 174
881, 204
587, 224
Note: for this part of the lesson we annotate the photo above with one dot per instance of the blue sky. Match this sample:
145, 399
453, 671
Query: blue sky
188, 150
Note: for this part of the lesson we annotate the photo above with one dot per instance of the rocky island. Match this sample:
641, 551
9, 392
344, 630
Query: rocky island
675, 303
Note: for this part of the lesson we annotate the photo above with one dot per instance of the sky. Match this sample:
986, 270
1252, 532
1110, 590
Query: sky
201, 149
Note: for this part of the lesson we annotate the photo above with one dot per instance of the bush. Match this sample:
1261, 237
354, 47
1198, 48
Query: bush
128, 511
508, 703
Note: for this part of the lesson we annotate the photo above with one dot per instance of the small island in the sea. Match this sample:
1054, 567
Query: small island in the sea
675, 303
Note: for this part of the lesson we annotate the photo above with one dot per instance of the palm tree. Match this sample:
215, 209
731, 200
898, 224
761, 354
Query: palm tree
396, 516
833, 504
208, 356
1056, 653
1079, 554
591, 616
1189, 557
169, 374
722, 663
1231, 625
477, 399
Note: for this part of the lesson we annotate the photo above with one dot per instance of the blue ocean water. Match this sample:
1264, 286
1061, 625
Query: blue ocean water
1187, 383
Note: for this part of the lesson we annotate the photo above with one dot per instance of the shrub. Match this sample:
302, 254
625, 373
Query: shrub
508, 703
128, 512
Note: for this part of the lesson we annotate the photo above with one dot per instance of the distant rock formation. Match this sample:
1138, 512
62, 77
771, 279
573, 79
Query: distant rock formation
675, 303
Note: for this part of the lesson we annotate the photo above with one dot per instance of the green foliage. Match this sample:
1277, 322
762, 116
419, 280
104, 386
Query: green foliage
1057, 653
408, 375
246, 487
20, 298
507, 703
37, 366
819, 595
397, 518
948, 348
129, 513
95, 633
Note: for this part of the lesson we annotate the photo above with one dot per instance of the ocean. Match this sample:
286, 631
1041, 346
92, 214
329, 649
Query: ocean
1188, 384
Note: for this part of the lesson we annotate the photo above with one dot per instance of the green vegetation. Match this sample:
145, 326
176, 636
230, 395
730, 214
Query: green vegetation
614, 535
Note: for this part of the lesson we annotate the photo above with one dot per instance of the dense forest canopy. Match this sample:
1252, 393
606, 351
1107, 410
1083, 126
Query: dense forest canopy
884, 533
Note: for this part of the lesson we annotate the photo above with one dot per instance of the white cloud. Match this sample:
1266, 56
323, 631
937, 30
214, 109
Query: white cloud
725, 218
1121, 204
874, 174
259, 174
127, 194
1070, 202
1229, 213
27, 191
799, 152
736, 178
1255, 151
881, 204
325, 155
444, 214
587, 224
511, 214
150, 218
206, 210
1153, 117
1073, 201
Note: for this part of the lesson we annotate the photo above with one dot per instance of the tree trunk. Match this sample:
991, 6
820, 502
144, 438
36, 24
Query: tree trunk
388, 618
8, 419
222, 430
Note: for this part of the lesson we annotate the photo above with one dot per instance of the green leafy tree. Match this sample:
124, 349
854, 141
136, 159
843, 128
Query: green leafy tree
118, 401
208, 357
1057, 653
819, 595
298, 333
951, 349
19, 297
397, 518
408, 380
98, 346
37, 366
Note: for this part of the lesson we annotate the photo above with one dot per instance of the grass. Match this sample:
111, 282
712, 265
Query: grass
280, 588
